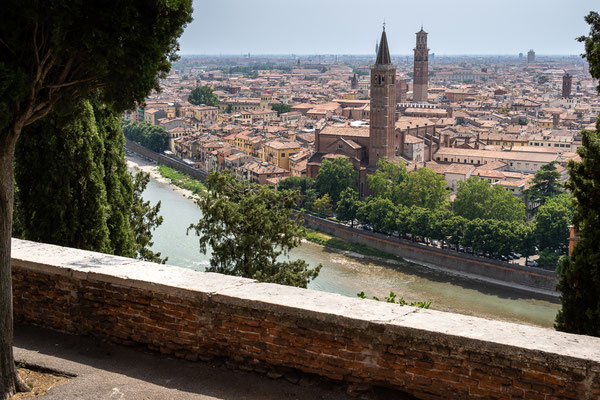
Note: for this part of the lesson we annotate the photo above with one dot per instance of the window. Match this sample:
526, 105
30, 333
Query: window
282, 155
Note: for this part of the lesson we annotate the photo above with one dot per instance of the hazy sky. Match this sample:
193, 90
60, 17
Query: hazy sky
352, 26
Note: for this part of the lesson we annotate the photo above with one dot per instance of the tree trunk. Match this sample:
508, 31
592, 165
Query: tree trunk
10, 383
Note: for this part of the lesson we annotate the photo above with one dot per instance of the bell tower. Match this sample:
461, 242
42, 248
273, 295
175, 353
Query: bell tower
421, 68
383, 105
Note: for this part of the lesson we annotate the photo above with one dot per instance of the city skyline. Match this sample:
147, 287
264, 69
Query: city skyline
350, 27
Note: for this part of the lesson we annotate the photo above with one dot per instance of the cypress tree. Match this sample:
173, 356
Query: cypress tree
74, 189
580, 273
61, 196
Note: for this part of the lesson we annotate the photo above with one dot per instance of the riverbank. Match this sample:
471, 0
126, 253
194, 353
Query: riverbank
138, 163
348, 248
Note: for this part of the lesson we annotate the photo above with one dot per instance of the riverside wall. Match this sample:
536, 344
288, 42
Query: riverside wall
168, 161
508, 274
272, 328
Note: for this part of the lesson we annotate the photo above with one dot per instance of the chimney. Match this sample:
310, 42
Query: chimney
446, 139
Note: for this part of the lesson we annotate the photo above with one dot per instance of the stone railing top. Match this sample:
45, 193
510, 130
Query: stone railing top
438, 327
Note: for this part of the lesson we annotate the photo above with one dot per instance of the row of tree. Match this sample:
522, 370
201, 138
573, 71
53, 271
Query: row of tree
484, 217
150, 136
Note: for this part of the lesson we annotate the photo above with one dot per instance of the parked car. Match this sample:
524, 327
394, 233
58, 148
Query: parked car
531, 263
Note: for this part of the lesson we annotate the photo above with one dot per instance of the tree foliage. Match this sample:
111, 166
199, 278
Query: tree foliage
304, 185
322, 206
70, 207
93, 202
552, 224
248, 227
203, 95
477, 198
386, 180
592, 44
281, 108
546, 183
580, 274
379, 213
424, 188
150, 136
335, 176
347, 207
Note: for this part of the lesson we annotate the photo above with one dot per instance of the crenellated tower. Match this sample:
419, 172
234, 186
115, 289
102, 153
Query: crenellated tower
421, 68
383, 105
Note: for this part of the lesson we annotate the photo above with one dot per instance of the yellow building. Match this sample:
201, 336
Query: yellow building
545, 123
278, 152
246, 142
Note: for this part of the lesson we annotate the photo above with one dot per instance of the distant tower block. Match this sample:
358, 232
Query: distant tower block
531, 56
354, 82
376, 48
383, 105
421, 68
566, 87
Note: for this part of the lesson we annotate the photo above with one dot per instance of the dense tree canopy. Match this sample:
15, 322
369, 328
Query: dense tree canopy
248, 227
302, 184
281, 108
150, 136
335, 176
580, 273
322, 206
546, 184
56, 52
347, 207
66, 154
203, 95
477, 198
552, 224
424, 188
88, 199
379, 213
386, 180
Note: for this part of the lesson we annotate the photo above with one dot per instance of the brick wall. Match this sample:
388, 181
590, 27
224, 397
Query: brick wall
267, 327
527, 278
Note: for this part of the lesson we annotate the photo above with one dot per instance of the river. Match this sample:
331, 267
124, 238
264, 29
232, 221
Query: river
348, 275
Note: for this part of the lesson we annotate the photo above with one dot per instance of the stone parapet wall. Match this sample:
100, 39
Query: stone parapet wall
196, 315
507, 274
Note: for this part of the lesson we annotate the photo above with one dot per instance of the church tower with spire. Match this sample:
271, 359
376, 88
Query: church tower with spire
383, 105
421, 68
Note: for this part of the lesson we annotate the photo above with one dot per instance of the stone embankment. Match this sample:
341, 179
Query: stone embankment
268, 327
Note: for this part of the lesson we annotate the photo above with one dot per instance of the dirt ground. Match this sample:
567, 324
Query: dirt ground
39, 382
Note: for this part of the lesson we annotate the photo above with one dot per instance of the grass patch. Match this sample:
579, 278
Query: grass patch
335, 243
181, 180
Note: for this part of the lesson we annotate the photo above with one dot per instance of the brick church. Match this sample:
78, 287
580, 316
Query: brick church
384, 137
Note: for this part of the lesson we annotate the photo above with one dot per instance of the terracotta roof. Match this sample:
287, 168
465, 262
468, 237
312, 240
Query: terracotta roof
345, 130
